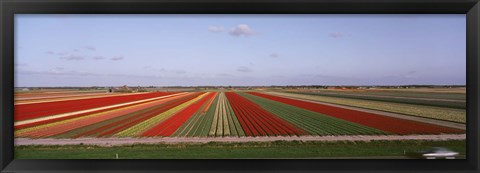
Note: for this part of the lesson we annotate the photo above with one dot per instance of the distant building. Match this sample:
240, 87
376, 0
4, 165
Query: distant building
123, 89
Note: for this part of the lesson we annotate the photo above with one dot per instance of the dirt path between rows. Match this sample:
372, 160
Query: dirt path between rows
156, 140
390, 114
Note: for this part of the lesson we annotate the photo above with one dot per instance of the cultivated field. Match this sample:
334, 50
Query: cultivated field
226, 122
441, 106
74, 114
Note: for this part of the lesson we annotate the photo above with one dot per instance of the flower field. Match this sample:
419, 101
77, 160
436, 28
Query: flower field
432, 112
198, 114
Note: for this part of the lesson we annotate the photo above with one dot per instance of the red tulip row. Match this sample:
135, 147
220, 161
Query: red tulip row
256, 121
169, 126
17, 127
36, 110
137, 117
53, 129
381, 122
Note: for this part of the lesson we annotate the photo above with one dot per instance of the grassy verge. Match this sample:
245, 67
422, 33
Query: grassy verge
277, 149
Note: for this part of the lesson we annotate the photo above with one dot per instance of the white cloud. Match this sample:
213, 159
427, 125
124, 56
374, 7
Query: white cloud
117, 58
244, 69
56, 70
336, 34
410, 74
274, 55
164, 71
62, 53
98, 57
59, 71
57, 53
89, 48
224, 75
72, 58
216, 29
242, 30
172, 71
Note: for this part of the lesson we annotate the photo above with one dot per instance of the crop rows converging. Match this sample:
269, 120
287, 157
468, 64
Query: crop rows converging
384, 123
199, 114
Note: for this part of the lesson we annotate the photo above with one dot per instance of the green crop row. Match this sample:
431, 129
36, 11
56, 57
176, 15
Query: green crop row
313, 122
219, 120
459, 104
140, 127
201, 126
224, 119
449, 114
188, 126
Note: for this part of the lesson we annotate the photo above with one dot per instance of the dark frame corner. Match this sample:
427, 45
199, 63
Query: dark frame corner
10, 7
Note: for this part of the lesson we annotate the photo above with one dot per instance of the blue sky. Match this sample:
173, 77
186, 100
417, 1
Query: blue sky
190, 50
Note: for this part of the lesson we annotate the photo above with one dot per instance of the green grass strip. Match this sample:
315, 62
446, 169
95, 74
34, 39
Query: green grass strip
217, 150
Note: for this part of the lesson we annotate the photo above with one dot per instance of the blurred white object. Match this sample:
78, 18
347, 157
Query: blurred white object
439, 152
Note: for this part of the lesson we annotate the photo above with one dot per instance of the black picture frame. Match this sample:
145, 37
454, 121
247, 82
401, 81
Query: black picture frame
8, 8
